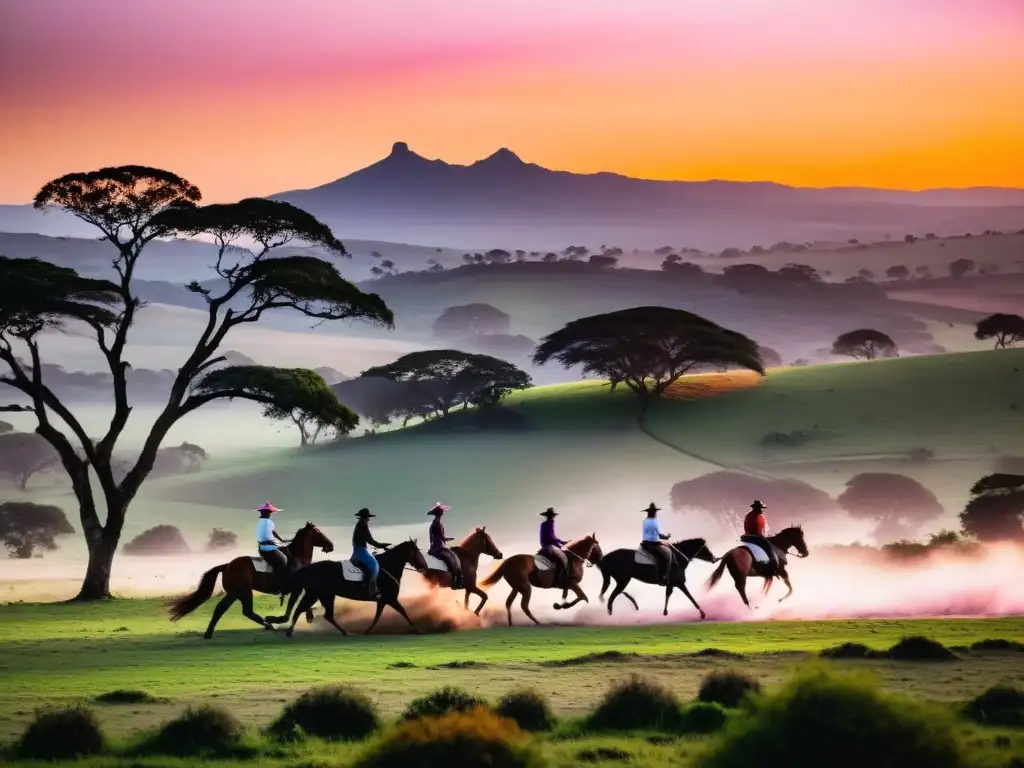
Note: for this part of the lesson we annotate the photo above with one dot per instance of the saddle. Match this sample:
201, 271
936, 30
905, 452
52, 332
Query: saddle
353, 572
262, 566
764, 564
543, 563
643, 557
435, 563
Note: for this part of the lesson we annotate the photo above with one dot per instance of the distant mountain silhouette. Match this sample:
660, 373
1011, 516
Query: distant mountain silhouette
504, 201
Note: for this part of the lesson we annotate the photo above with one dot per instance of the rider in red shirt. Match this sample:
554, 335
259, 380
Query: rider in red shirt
753, 531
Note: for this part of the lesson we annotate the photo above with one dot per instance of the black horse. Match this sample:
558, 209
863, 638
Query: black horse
621, 565
326, 579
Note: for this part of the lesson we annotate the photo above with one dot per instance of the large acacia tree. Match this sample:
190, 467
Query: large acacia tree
647, 348
131, 206
898, 504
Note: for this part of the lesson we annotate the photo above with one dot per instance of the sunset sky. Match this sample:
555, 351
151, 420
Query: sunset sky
249, 97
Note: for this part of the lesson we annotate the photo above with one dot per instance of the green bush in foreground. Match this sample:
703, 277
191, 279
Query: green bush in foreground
528, 709
333, 713
476, 738
728, 688
1001, 705
441, 702
703, 717
637, 705
205, 730
820, 718
61, 734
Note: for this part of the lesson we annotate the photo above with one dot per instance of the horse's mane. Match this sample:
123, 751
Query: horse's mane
580, 540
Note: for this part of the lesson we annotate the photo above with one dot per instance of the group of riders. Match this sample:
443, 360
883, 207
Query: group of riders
654, 541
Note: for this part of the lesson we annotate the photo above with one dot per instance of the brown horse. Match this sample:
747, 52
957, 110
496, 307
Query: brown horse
477, 543
523, 574
241, 579
741, 564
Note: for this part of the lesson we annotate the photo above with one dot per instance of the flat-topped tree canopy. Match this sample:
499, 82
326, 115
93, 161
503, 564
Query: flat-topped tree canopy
647, 348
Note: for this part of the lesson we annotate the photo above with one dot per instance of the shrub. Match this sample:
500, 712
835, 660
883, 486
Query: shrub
528, 709
159, 540
203, 731
124, 696
442, 702
728, 688
636, 704
221, 539
822, 718
919, 648
334, 713
997, 644
476, 738
1001, 705
849, 651
703, 717
61, 734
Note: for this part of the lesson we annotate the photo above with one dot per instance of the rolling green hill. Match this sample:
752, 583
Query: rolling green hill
583, 452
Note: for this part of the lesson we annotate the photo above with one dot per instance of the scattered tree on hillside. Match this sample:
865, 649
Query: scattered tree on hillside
6, 427
377, 399
520, 255
179, 459
1007, 330
769, 357
377, 254
26, 527
603, 261
467, 259
646, 348
731, 253
897, 272
156, 541
923, 271
747, 278
867, 274
898, 504
909, 239
25, 454
389, 267
725, 497
995, 511
664, 250
298, 395
549, 257
675, 266
960, 267
497, 256
443, 378
220, 540
799, 274
131, 206
865, 344
471, 320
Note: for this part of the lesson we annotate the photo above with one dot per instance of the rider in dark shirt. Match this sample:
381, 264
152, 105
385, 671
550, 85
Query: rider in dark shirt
361, 555
439, 545
551, 547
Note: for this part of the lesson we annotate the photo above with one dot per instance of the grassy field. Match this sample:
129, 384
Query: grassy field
57, 654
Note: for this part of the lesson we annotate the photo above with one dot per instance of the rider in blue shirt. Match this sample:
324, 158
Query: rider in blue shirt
654, 542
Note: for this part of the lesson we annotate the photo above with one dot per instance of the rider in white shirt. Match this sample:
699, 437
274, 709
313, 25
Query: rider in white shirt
267, 539
654, 542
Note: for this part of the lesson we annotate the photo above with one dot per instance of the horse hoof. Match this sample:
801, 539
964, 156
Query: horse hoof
557, 606
702, 616
665, 612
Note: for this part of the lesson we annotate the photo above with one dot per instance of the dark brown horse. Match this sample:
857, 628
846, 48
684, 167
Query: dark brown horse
477, 543
328, 579
523, 573
241, 579
622, 566
741, 563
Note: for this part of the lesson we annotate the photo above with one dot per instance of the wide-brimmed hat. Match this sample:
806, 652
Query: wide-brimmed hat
438, 509
549, 512
268, 507
757, 505
364, 512
651, 508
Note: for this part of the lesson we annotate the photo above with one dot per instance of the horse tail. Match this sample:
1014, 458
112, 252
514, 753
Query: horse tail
716, 576
495, 577
183, 606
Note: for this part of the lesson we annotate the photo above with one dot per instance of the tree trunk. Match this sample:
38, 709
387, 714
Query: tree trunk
96, 585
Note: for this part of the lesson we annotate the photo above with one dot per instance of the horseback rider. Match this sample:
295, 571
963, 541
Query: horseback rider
361, 555
551, 547
439, 545
754, 526
654, 543
267, 539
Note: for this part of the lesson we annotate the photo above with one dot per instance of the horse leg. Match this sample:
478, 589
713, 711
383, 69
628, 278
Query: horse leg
308, 598
398, 607
508, 604
527, 590
249, 613
686, 592
580, 597
739, 578
376, 618
225, 602
619, 587
327, 601
767, 585
785, 580
483, 598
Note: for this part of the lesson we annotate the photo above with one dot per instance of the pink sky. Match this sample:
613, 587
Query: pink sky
256, 96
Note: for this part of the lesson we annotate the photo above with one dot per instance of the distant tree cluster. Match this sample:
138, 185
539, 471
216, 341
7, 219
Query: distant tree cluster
26, 528
1006, 330
865, 344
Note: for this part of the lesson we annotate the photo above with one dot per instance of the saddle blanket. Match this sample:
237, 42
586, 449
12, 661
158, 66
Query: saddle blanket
261, 565
435, 563
643, 557
542, 563
760, 556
